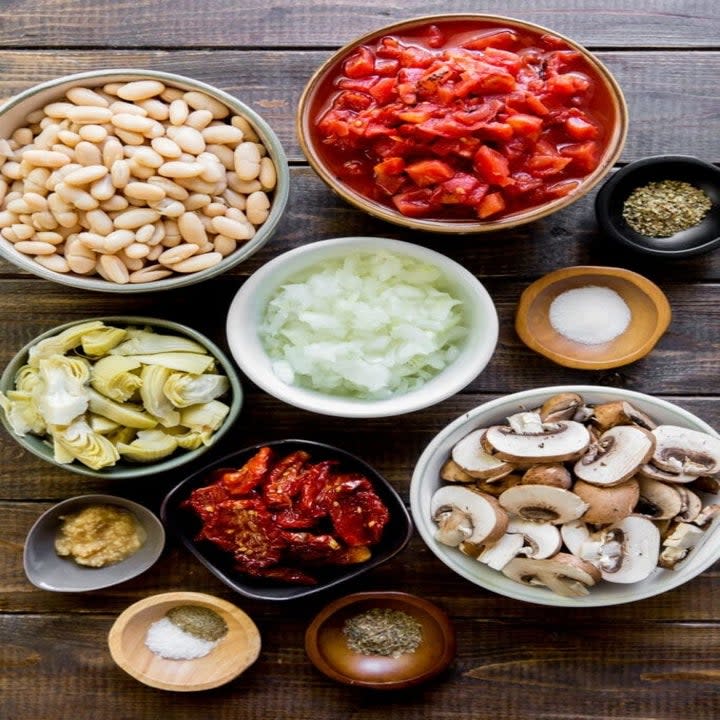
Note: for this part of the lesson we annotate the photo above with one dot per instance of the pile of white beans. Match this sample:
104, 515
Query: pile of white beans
133, 182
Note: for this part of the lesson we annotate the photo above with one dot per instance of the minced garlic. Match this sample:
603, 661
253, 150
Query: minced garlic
99, 535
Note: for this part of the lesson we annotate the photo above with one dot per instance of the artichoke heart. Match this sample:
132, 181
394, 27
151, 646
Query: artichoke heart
79, 441
101, 341
147, 342
153, 397
102, 425
61, 343
124, 414
113, 377
22, 413
27, 379
183, 361
206, 417
192, 439
183, 389
148, 446
62, 396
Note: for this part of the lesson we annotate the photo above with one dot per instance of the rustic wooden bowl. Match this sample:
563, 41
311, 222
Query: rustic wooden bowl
650, 310
234, 653
328, 650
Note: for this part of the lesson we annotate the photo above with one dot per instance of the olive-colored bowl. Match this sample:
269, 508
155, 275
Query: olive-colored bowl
320, 90
649, 308
328, 649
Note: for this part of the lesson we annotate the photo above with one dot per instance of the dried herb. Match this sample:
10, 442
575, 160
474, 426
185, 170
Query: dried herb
383, 631
202, 622
661, 209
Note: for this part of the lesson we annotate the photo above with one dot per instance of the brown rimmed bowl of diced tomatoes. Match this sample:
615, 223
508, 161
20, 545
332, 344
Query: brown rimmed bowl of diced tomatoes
286, 519
462, 123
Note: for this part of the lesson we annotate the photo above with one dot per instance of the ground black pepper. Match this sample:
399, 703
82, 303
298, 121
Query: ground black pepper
383, 631
661, 209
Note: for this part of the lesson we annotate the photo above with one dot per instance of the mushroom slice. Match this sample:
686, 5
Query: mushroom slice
469, 456
658, 500
681, 450
618, 454
466, 515
555, 474
563, 406
556, 442
574, 534
540, 540
620, 412
564, 574
607, 504
498, 487
452, 472
649, 470
625, 552
500, 553
708, 484
708, 514
542, 503
678, 544
691, 504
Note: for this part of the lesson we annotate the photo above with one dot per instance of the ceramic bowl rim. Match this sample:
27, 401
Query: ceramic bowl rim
33, 444
246, 348
263, 234
611, 155
495, 581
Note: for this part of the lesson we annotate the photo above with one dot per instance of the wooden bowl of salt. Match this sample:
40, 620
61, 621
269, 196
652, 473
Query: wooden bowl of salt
591, 317
184, 641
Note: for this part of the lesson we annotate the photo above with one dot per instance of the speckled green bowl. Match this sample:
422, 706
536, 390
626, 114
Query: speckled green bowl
123, 469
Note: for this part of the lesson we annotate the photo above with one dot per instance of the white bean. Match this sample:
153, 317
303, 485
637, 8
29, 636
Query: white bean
234, 229
54, 262
86, 96
198, 262
86, 175
201, 101
135, 218
140, 90
112, 268
34, 247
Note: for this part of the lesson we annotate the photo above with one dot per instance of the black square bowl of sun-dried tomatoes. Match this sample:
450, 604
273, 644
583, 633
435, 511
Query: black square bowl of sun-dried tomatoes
288, 518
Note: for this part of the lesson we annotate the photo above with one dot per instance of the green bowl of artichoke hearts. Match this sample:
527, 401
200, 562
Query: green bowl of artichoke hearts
119, 397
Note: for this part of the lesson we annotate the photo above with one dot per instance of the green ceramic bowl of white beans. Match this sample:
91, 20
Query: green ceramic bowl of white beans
132, 181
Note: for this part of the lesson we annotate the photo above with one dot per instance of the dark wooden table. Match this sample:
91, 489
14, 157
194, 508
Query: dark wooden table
659, 658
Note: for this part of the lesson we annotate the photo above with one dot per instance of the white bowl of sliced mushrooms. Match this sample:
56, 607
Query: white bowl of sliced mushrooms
119, 397
572, 496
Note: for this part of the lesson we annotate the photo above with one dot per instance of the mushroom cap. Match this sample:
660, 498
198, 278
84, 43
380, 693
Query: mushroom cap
542, 503
607, 504
557, 442
486, 518
555, 474
682, 450
564, 574
472, 459
618, 454
620, 412
452, 472
692, 505
562, 406
658, 500
653, 472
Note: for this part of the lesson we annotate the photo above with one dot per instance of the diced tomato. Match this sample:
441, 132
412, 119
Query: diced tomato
536, 105
389, 47
457, 190
527, 125
383, 90
492, 166
360, 63
352, 100
585, 156
416, 57
387, 67
495, 131
389, 174
547, 165
429, 172
413, 203
579, 128
491, 204
495, 39
570, 83
562, 188
434, 37
503, 58
362, 84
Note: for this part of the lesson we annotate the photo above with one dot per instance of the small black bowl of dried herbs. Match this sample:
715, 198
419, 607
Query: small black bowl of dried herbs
664, 206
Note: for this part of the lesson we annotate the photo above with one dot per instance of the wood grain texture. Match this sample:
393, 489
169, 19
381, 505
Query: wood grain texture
670, 107
223, 23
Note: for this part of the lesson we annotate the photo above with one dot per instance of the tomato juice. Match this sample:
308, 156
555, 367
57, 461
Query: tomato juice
463, 119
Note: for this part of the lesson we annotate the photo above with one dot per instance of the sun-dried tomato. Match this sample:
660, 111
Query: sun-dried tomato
284, 481
359, 517
250, 475
204, 500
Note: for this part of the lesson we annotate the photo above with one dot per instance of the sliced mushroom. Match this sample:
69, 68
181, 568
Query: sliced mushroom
463, 514
649, 470
540, 540
707, 515
563, 406
658, 501
620, 412
498, 487
616, 457
470, 457
681, 450
625, 552
678, 544
708, 484
574, 534
564, 574
554, 474
607, 504
691, 504
500, 553
452, 472
542, 503
556, 442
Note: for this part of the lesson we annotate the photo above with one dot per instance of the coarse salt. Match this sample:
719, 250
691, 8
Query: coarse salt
590, 315
166, 639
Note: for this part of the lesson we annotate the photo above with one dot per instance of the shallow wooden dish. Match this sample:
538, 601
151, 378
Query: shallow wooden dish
234, 653
328, 650
650, 310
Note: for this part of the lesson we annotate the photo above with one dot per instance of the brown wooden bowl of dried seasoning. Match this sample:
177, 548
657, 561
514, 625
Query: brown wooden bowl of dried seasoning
381, 640
666, 206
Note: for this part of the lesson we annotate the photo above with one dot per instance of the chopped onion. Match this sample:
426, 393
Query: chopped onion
369, 325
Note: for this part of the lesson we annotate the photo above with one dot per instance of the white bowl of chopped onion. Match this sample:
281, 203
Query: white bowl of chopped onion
362, 327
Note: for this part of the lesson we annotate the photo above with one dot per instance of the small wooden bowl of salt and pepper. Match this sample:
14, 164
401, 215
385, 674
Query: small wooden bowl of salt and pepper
381, 640
592, 318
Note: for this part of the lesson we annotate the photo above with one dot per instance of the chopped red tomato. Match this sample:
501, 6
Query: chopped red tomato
491, 204
429, 172
492, 166
360, 63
